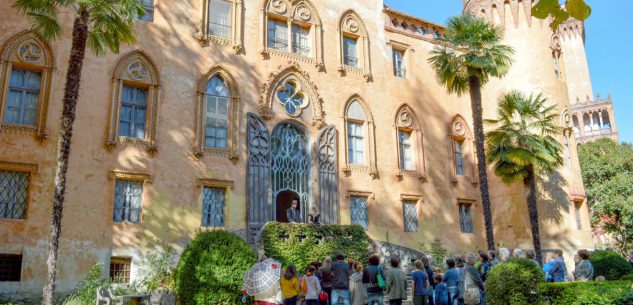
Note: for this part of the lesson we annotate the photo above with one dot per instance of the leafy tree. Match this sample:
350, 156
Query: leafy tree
100, 25
523, 145
471, 54
607, 171
577, 9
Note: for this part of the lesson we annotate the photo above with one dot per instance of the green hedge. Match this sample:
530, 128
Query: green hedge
514, 282
301, 244
590, 293
628, 277
609, 264
211, 269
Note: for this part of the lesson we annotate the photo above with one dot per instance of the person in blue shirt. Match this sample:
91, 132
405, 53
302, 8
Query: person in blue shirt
420, 284
451, 279
547, 267
441, 293
559, 270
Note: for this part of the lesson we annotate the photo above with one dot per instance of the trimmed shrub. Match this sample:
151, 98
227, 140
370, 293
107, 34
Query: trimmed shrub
609, 264
590, 293
514, 282
301, 244
628, 277
211, 269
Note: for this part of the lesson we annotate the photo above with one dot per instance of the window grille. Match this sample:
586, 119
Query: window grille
14, 192
23, 98
277, 35
128, 199
213, 200
458, 151
410, 209
120, 270
10, 267
220, 18
350, 54
398, 63
465, 218
300, 40
217, 113
132, 119
358, 211
355, 144
406, 150
148, 5
578, 219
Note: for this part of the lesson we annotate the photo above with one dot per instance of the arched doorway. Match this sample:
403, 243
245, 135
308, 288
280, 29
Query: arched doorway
283, 202
291, 165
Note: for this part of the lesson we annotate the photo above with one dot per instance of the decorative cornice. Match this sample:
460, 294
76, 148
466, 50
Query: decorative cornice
19, 167
117, 174
360, 194
206, 182
412, 197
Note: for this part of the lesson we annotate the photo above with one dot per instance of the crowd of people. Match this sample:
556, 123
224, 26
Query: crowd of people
350, 282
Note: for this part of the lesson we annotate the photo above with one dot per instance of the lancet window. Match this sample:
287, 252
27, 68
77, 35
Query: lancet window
353, 46
221, 23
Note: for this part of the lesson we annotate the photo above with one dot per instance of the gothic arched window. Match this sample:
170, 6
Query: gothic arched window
26, 69
217, 113
461, 150
359, 138
409, 144
354, 46
222, 23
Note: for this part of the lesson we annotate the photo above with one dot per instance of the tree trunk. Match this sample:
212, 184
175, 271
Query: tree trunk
474, 87
530, 186
71, 95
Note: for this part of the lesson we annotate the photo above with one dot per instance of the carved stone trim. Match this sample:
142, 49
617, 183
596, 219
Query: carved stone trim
129, 72
405, 119
350, 24
236, 40
351, 193
370, 142
19, 167
117, 174
458, 130
202, 182
412, 197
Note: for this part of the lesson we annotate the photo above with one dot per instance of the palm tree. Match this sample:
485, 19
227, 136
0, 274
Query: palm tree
100, 25
469, 56
523, 146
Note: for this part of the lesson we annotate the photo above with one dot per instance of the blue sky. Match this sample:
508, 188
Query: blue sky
609, 47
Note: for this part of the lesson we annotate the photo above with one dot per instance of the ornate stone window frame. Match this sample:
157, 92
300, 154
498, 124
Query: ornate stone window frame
233, 118
39, 58
227, 185
31, 169
459, 131
299, 12
405, 119
236, 40
351, 25
291, 71
128, 72
369, 165
368, 195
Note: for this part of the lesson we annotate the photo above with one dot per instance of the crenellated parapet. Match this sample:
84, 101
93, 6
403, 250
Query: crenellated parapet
572, 28
502, 8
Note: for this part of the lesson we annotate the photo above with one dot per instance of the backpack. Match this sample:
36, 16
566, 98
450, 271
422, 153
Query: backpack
472, 294
380, 279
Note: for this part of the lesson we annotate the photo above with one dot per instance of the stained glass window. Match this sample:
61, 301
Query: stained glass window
23, 97
358, 211
410, 209
465, 218
220, 18
14, 192
213, 200
132, 119
128, 200
217, 113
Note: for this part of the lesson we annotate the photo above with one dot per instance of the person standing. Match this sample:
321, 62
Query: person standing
326, 277
504, 254
311, 287
429, 273
547, 267
314, 216
584, 268
293, 214
518, 253
340, 281
531, 255
357, 290
471, 287
484, 266
441, 293
290, 285
420, 284
451, 279
396, 286
459, 265
375, 294
559, 270
493, 258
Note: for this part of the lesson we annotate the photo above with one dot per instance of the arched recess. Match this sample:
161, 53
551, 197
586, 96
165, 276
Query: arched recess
304, 88
135, 78
294, 21
576, 124
221, 23
353, 40
26, 72
356, 113
217, 73
586, 122
461, 149
567, 122
409, 143
606, 122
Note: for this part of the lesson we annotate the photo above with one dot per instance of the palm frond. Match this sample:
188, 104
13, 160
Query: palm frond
42, 14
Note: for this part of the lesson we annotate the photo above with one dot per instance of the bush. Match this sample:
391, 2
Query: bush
86, 292
628, 277
301, 244
590, 293
156, 270
211, 269
514, 282
609, 264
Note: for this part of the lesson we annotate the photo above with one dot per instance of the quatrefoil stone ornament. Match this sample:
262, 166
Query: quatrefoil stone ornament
292, 98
